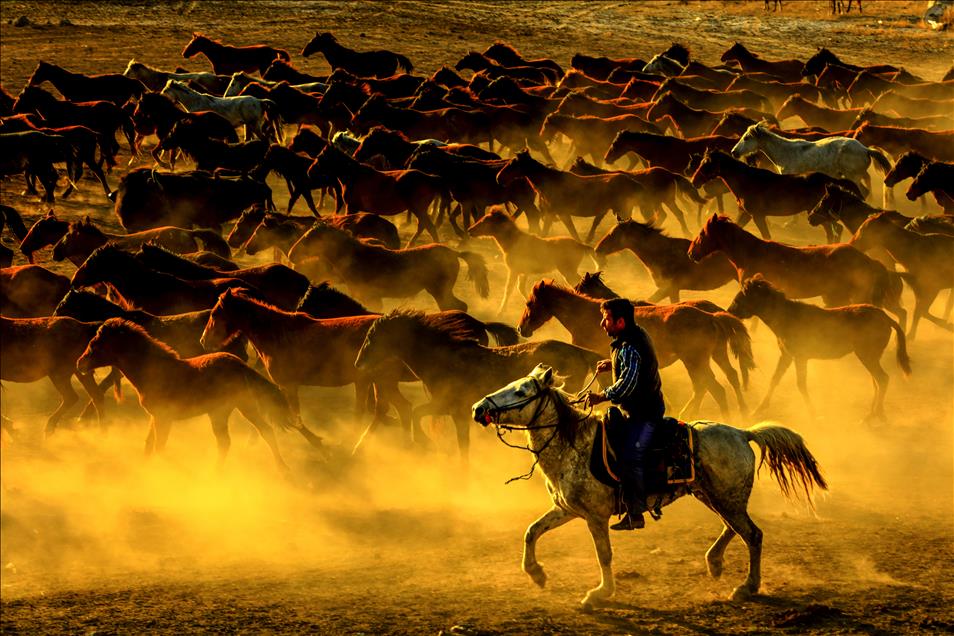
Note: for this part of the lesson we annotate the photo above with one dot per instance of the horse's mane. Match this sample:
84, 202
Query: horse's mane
500, 44
331, 295
568, 418
560, 288
450, 332
649, 227
122, 325
384, 131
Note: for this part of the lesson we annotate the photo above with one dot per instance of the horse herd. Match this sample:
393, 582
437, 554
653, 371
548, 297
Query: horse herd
167, 306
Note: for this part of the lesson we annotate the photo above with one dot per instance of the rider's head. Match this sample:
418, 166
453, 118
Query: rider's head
617, 316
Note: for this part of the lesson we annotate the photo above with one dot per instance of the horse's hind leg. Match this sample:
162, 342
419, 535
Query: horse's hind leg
879, 377
801, 379
220, 428
253, 415
553, 518
715, 555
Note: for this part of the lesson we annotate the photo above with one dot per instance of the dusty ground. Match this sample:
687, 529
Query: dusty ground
400, 541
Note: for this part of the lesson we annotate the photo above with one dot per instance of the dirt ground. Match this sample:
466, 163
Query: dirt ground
93, 539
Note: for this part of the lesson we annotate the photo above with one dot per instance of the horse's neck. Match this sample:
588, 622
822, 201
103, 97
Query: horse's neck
544, 176
553, 449
507, 236
854, 213
144, 363
742, 248
775, 146
738, 176
573, 311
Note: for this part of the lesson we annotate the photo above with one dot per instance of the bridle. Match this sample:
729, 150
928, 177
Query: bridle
543, 395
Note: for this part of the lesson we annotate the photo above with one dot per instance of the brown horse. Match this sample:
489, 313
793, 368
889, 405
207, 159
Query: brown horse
172, 388
373, 273
678, 332
227, 59
30, 291
37, 348
454, 367
805, 332
142, 287
298, 350
756, 189
839, 273
82, 238
361, 63
565, 194
667, 259
46, 230
934, 145
788, 70
525, 253
831, 119
365, 189
928, 259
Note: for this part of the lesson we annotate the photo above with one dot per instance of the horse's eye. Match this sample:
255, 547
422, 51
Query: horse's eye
519, 393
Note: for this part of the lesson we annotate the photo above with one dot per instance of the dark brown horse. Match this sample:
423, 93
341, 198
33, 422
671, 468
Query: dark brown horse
807, 332
147, 289
227, 59
46, 230
934, 145
30, 291
938, 179
667, 259
455, 368
360, 63
82, 238
839, 273
77, 87
668, 152
788, 70
173, 388
37, 348
373, 273
928, 259
678, 332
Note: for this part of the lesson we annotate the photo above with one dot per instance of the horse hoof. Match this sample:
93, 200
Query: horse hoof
586, 607
538, 576
741, 593
715, 569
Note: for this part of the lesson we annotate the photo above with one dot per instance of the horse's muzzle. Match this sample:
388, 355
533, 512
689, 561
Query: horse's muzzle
482, 414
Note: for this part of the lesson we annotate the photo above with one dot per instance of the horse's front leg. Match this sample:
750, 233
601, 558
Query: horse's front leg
553, 518
599, 530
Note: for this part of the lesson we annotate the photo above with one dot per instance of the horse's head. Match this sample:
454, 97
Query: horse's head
537, 310
40, 74
314, 242
618, 147
709, 238
245, 226
734, 52
491, 224
516, 168
101, 264
518, 402
195, 45
551, 126
473, 61
749, 141
80, 237
264, 235
220, 328
591, 284
908, 165
47, 230
817, 63
104, 346
755, 293
925, 180
827, 209
318, 44
87, 306
387, 335
31, 98
707, 170
621, 236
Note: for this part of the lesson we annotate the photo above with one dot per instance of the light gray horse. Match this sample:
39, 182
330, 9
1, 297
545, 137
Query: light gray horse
839, 157
724, 463
257, 115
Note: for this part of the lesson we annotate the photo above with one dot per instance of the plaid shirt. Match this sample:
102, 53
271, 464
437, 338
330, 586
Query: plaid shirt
625, 373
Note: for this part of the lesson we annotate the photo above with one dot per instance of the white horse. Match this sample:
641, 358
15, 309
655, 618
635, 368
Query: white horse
561, 438
257, 115
241, 79
155, 79
839, 157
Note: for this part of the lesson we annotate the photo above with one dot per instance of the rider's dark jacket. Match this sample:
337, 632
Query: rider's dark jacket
637, 388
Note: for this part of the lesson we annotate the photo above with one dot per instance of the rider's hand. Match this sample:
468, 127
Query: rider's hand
594, 397
604, 365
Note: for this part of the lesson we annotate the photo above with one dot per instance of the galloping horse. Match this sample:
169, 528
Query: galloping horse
227, 59
77, 87
171, 388
373, 272
454, 368
561, 439
805, 331
259, 116
678, 332
839, 157
362, 64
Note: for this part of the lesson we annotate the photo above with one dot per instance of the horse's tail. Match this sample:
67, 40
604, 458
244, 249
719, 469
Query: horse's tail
685, 187
904, 362
404, 63
477, 272
274, 118
503, 334
789, 460
740, 343
212, 241
880, 160
275, 405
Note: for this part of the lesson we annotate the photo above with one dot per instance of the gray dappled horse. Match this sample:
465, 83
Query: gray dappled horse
724, 462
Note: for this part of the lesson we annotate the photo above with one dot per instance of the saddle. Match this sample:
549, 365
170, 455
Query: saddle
669, 460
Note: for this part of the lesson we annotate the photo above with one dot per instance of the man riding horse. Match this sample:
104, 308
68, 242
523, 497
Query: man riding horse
637, 390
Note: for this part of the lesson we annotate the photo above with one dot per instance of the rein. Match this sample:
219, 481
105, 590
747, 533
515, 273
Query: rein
503, 429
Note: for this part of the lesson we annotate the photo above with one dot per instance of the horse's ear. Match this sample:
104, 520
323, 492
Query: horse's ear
50, 214
87, 220
543, 373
